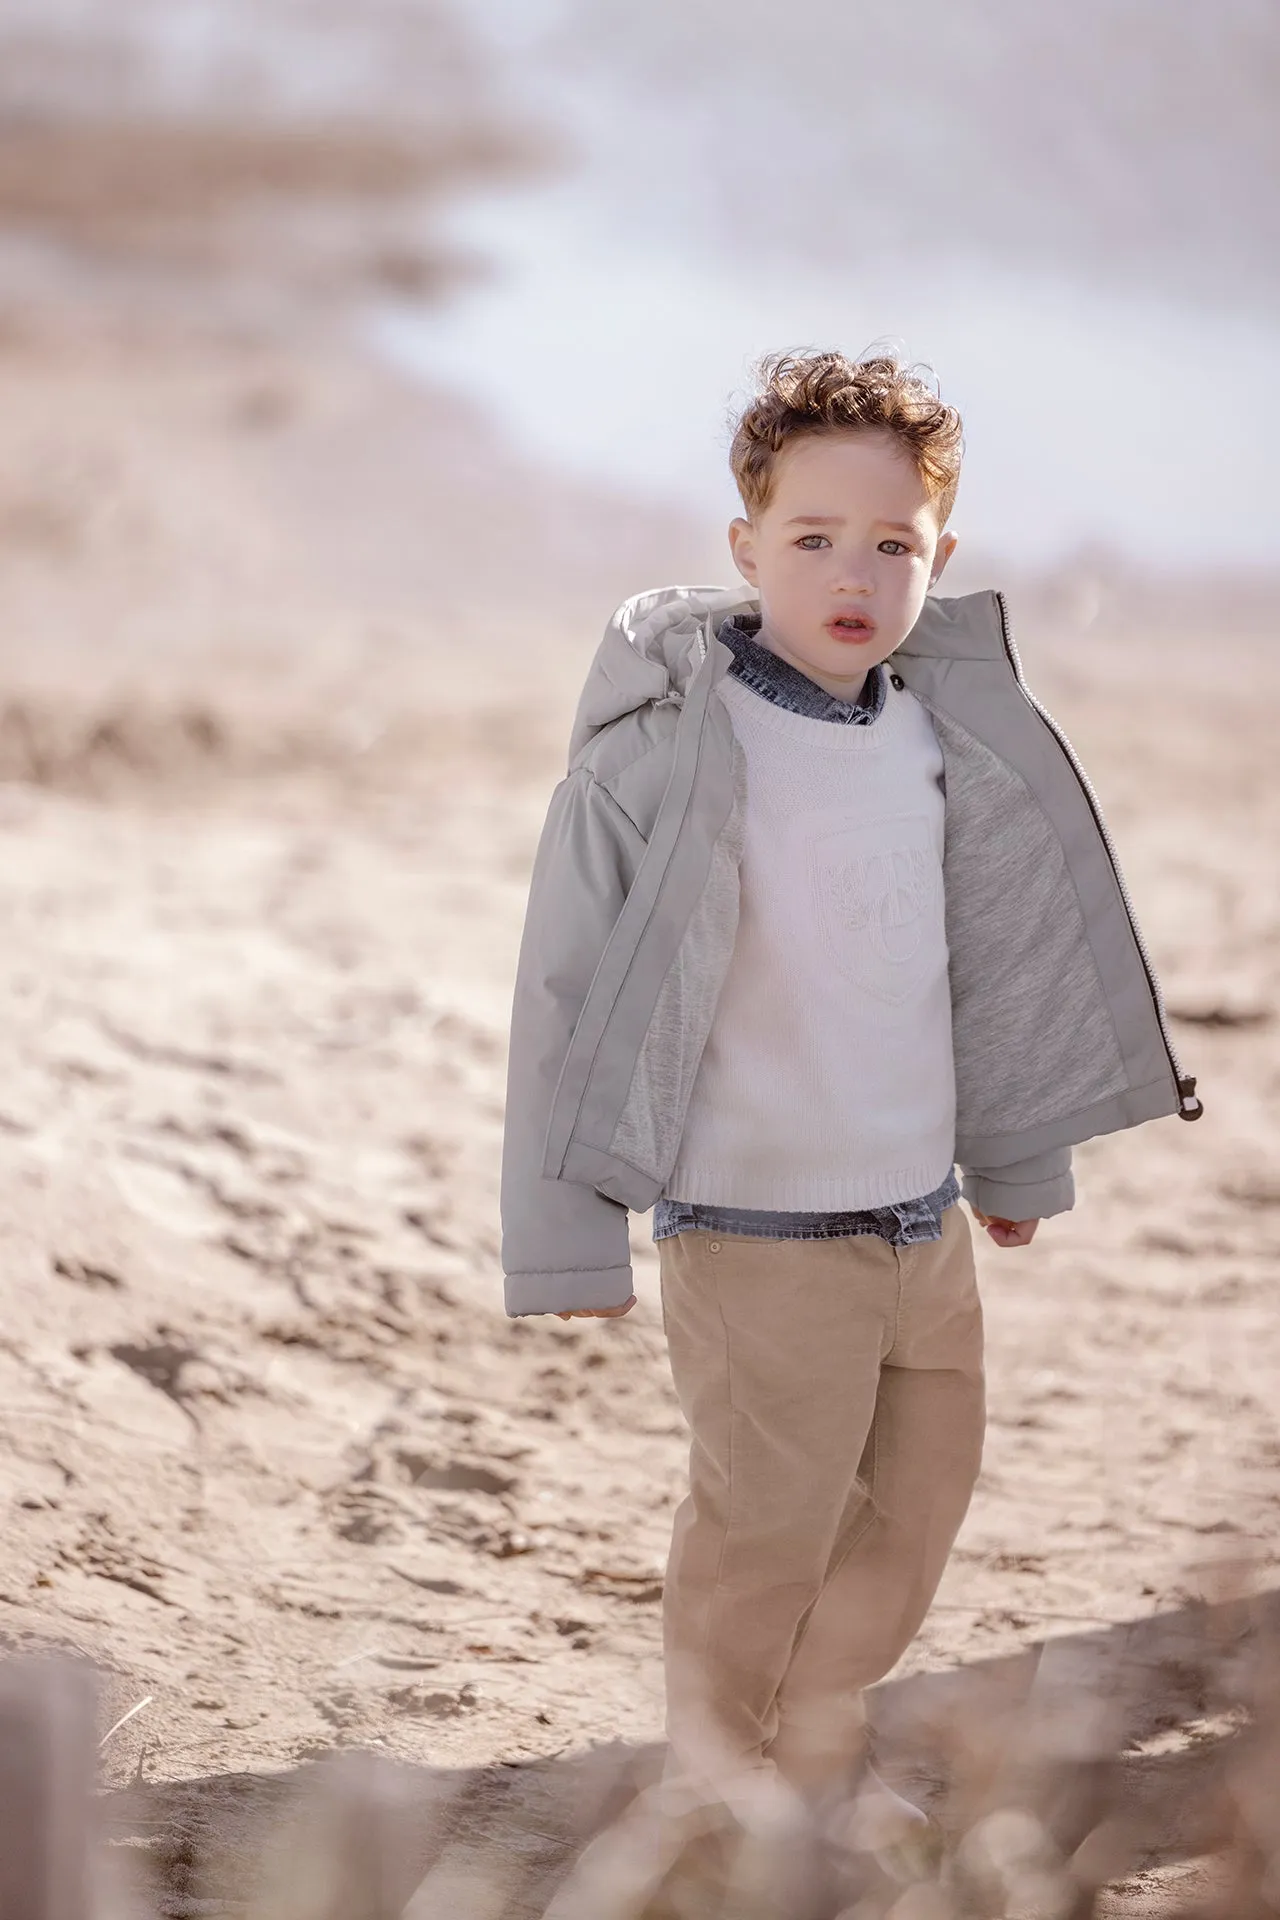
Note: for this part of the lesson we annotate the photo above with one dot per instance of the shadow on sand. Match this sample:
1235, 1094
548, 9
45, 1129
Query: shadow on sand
510, 1831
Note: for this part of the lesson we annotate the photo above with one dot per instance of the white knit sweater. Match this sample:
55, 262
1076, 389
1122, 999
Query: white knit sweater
828, 1081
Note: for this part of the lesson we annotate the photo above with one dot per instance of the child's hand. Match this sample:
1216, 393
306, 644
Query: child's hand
598, 1313
1006, 1233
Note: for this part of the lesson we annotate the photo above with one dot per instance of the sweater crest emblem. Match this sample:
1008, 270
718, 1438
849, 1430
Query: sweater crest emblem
877, 893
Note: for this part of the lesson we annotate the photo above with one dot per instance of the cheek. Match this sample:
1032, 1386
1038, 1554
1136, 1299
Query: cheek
799, 572
778, 576
910, 578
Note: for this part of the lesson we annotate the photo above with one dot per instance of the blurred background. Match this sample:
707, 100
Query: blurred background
409, 319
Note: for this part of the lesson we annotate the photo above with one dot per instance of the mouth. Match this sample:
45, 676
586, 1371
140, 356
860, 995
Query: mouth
851, 626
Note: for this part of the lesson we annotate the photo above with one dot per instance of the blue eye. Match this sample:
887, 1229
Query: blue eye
804, 542
896, 543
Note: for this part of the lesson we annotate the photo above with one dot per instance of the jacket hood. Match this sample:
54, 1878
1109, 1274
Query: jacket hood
650, 652
651, 647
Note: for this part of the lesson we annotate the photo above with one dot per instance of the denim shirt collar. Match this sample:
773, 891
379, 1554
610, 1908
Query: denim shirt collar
774, 678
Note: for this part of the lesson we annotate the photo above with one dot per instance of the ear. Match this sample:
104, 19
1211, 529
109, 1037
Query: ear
946, 547
742, 547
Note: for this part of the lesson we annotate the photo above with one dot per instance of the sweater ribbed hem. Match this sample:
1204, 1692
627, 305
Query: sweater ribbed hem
803, 1193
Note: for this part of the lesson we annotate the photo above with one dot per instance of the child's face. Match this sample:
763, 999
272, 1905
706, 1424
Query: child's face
850, 530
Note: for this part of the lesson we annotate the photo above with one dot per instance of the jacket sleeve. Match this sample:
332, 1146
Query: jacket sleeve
563, 1244
1028, 1190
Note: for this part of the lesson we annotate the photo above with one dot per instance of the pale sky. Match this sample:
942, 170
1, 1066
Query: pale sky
614, 336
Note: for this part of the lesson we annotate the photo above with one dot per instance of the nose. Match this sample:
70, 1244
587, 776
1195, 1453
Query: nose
852, 573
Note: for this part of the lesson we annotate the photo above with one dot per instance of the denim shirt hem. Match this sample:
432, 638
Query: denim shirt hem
903, 1224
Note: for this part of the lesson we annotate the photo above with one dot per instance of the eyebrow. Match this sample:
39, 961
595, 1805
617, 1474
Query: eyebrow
834, 520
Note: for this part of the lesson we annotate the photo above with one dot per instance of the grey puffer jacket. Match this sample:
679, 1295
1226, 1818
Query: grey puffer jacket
1058, 1024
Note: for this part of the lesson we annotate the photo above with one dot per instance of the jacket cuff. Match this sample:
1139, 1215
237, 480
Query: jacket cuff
562, 1292
1006, 1199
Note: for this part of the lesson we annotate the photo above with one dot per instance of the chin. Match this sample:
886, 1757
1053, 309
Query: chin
857, 653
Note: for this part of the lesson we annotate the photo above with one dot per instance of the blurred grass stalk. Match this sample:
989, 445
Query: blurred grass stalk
1038, 1814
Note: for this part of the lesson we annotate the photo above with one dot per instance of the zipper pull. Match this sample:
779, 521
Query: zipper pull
1191, 1108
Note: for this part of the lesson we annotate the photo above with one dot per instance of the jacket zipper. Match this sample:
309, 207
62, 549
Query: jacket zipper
1189, 1106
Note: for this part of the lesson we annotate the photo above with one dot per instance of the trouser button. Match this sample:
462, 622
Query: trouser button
715, 1246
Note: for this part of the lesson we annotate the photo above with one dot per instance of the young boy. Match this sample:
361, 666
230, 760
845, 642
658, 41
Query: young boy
823, 905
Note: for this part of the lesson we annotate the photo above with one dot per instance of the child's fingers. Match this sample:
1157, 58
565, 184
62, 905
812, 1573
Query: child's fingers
1012, 1233
598, 1313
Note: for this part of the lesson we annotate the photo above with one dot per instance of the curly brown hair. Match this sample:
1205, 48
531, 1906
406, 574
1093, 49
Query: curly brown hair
821, 393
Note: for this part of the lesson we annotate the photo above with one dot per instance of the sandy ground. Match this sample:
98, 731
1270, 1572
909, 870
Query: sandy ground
274, 1457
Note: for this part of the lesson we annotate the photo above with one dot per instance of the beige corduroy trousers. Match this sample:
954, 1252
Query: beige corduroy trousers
834, 1392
